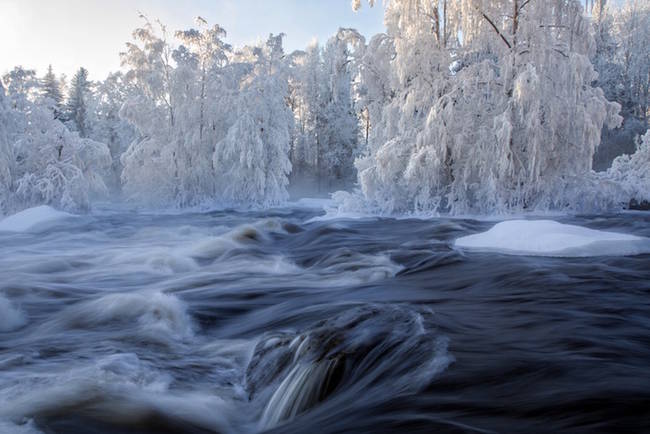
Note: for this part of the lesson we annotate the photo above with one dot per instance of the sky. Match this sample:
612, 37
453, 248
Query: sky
69, 34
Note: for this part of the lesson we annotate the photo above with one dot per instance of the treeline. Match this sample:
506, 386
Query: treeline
462, 106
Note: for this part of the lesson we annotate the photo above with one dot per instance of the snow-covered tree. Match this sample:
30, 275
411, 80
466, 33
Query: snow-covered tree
21, 87
150, 174
632, 172
106, 125
339, 131
632, 24
45, 163
252, 162
326, 136
77, 103
305, 83
622, 59
205, 51
51, 92
6, 153
204, 107
181, 105
493, 109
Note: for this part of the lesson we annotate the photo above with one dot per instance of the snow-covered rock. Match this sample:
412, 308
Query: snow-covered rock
31, 218
550, 238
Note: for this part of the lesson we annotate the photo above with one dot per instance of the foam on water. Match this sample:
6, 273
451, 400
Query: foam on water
26, 395
158, 260
343, 266
8, 427
151, 315
11, 317
119, 388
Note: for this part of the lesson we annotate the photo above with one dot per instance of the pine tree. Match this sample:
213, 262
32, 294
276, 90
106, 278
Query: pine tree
51, 91
76, 107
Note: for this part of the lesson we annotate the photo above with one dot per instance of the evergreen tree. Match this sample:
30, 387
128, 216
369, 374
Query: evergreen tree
76, 107
51, 92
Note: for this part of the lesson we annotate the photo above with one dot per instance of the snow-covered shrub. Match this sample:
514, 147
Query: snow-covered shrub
632, 172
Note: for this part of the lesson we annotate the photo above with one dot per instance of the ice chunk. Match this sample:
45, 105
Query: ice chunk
29, 219
550, 238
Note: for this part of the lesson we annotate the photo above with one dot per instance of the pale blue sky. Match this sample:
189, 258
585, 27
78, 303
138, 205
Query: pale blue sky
90, 33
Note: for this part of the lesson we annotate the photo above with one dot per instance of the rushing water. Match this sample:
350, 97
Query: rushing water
226, 322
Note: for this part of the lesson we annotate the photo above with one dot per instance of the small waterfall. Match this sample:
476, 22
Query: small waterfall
379, 351
306, 385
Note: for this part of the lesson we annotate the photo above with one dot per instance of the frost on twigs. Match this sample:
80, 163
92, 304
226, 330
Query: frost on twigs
632, 172
213, 122
484, 115
41, 161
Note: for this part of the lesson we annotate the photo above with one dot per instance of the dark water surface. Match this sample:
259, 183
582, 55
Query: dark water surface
230, 322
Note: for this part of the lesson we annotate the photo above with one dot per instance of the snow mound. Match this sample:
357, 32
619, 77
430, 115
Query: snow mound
28, 219
550, 238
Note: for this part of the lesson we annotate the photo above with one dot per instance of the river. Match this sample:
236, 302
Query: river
241, 322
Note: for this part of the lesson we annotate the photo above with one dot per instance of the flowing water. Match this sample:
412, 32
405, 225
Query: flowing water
227, 322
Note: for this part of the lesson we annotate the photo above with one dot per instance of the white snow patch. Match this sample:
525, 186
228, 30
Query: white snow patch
550, 238
28, 219
11, 318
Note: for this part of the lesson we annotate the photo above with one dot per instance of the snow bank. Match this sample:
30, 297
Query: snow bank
29, 219
550, 238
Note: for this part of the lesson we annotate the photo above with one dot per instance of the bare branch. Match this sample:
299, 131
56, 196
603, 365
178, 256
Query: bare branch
523, 4
496, 29
561, 52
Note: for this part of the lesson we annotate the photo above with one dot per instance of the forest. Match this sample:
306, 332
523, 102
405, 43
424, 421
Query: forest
461, 107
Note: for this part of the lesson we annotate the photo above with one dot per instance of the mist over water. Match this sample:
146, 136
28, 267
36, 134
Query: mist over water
233, 322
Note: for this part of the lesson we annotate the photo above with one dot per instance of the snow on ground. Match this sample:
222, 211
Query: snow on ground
550, 238
31, 218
